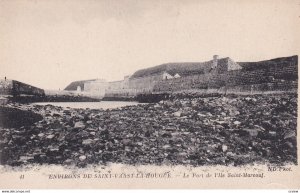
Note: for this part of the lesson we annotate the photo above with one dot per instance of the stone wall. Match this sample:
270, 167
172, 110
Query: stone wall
6, 87
13, 87
132, 87
219, 75
22, 88
96, 88
203, 81
265, 87
277, 76
288, 72
144, 84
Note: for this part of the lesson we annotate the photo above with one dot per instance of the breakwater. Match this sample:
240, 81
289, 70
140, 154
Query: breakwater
13, 87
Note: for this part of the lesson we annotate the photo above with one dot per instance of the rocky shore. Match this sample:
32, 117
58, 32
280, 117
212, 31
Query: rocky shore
231, 130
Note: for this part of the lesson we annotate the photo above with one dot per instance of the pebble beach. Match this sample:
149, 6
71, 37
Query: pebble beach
185, 130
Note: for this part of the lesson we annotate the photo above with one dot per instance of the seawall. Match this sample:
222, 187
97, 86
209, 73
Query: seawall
13, 87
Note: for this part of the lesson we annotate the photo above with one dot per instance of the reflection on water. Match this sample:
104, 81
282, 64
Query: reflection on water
91, 105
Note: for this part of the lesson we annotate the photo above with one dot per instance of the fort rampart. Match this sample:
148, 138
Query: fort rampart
218, 75
281, 76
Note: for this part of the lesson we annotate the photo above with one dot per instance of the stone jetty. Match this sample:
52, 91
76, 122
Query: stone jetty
221, 130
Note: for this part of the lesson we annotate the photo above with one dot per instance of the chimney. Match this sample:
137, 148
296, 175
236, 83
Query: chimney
215, 61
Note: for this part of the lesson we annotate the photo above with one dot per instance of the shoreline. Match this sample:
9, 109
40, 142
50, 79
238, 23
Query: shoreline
216, 130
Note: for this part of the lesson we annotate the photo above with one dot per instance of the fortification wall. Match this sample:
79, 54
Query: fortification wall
265, 87
22, 88
287, 72
132, 87
145, 83
123, 93
96, 88
278, 76
6, 87
240, 77
13, 87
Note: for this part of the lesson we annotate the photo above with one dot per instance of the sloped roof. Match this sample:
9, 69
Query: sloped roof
268, 63
182, 68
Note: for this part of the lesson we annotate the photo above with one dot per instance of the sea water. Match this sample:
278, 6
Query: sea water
91, 105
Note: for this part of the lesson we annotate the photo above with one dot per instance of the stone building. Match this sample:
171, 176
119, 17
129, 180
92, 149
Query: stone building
166, 76
77, 85
177, 75
96, 87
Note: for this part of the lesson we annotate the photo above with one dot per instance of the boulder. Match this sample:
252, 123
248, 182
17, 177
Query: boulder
79, 125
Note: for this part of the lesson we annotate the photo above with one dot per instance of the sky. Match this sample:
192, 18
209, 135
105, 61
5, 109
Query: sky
50, 43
